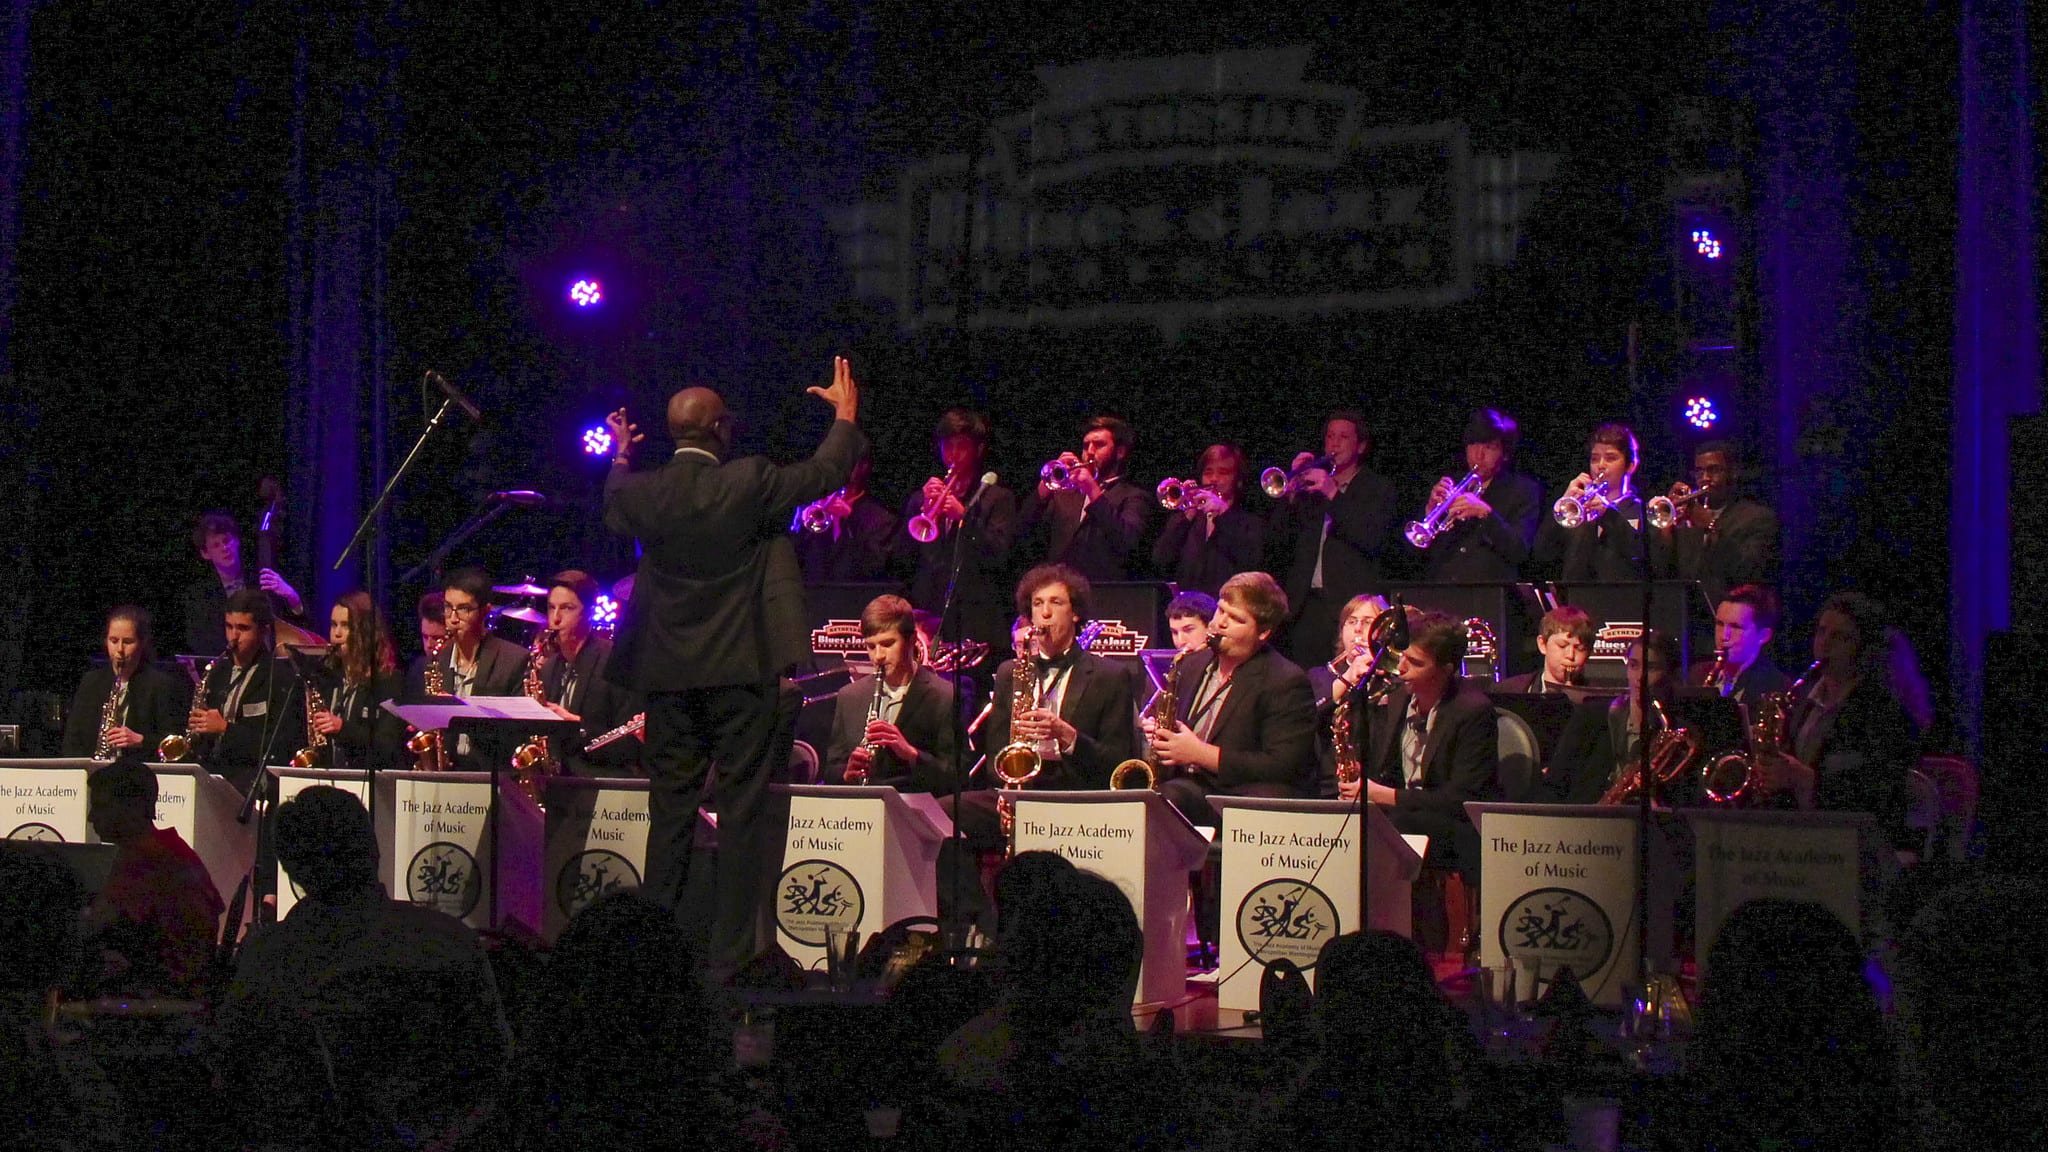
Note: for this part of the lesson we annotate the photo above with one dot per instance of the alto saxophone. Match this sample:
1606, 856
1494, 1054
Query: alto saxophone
1018, 762
534, 759
430, 754
174, 748
314, 754
1162, 711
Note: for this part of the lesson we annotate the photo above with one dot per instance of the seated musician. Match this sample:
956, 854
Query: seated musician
1487, 534
1745, 621
252, 713
156, 918
1604, 733
1199, 551
473, 662
980, 602
856, 545
1565, 640
362, 673
1244, 716
1093, 525
1724, 537
149, 703
219, 543
1431, 746
1187, 620
433, 629
573, 678
1853, 742
1607, 547
1331, 681
894, 727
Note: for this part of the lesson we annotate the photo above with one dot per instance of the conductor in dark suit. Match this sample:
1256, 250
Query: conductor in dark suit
253, 712
1433, 745
1093, 525
717, 615
1488, 533
1341, 520
908, 743
151, 703
1244, 715
1201, 547
1724, 537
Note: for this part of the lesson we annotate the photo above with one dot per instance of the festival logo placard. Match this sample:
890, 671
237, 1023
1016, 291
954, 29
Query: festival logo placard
444, 876
590, 876
1286, 919
36, 831
814, 896
1558, 927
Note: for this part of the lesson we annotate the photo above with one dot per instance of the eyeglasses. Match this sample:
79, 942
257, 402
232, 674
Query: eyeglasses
460, 609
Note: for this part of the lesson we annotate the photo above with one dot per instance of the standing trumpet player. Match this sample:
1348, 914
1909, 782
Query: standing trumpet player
1486, 532
849, 534
955, 501
1595, 532
1092, 515
1201, 547
1718, 535
129, 705
1341, 523
894, 727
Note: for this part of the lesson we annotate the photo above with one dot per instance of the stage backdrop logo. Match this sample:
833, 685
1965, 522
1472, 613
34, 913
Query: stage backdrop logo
1286, 918
1170, 189
814, 896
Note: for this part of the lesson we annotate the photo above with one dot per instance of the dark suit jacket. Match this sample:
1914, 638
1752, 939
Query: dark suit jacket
1200, 561
1865, 760
266, 728
1491, 550
1097, 702
158, 704
1742, 548
206, 603
1588, 753
1361, 533
927, 721
718, 599
1605, 550
1756, 680
1266, 728
860, 552
603, 706
983, 597
500, 668
1320, 681
1101, 541
1460, 760
370, 737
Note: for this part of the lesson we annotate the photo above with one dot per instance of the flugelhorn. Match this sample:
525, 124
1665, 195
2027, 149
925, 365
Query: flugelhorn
1673, 752
1422, 532
1589, 505
924, 527
1663, 510
1278, 482
1175, 495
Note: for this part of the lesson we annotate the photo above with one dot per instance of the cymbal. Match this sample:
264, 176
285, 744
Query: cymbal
522, 613
519, 590
622, 592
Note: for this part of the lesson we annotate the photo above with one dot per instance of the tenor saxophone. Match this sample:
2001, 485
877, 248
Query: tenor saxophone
1018, 762
1162, 711
534, 759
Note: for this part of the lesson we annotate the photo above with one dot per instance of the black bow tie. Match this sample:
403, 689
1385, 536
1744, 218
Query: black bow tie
1060, 662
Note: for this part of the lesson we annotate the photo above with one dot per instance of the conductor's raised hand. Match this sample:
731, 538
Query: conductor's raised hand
844, 394
624, 434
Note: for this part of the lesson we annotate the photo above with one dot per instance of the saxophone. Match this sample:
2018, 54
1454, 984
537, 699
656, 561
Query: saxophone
173, 749
534, 759
1673, 752
103, 745
1018, 762
859, 776
1161, 711
1733, 780
430, 755
314, 754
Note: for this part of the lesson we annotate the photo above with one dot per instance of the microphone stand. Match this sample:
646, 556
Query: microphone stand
1397, 631
245, 888
955, 931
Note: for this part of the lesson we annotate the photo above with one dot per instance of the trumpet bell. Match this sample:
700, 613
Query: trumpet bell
1568, 513
173, 748
923, 529
1056, 475
1662, 511
1273, 482
816, 518
1172, 494
1419, 534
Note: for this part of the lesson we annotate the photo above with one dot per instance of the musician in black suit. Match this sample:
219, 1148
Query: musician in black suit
716, 617
1564, 639
253, 712
218, 541
572, 677
433, 613
982, 601
1244, 716
1488, 533
1093, 525
1745, 621
908, 743
1724, 537
1341, 520
361, 673
858, 539
1607, 547
152, 703
1432, 745
1604, 733
1353, 660
1198, 550
475, 663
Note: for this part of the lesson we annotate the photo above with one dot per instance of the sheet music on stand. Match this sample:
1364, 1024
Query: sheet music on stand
435, 717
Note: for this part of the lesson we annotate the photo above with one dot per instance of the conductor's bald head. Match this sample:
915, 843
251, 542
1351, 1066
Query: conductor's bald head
697, 415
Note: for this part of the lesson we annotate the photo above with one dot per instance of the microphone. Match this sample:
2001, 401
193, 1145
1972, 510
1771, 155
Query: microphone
455, 394
988, 481
518, 498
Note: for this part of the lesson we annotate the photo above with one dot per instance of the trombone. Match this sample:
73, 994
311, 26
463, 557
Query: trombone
1276, 482
1424, 531
1663, 510
1587, 506
1175, 495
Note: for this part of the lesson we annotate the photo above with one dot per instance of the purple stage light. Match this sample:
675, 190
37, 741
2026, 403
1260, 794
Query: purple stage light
1699, 412
586, 293
604, 614
597, 440
1704, 243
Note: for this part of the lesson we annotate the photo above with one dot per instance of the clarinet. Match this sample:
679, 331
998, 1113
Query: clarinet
860, 775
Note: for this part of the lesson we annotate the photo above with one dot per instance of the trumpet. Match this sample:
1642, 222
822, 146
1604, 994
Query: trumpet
1422, 532
1174, 495
1278, 482
1587, 506
815, 516
1663, 510
924, 527
1058, 475
1673, 752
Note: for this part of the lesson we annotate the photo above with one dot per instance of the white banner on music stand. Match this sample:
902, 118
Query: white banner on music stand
44, 800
